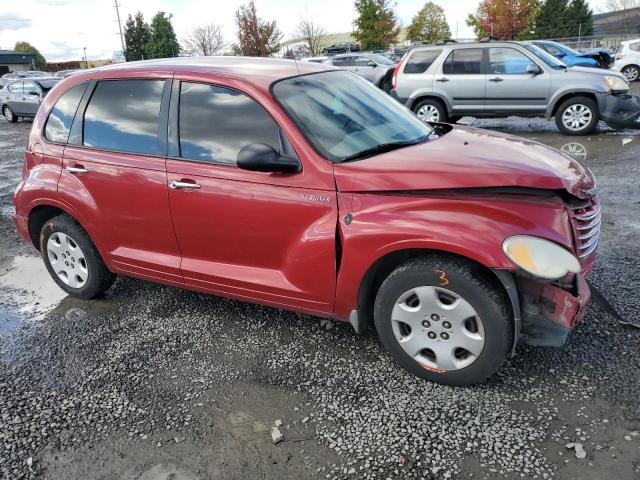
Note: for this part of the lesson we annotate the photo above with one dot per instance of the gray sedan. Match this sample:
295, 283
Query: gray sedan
22, 98
376, 68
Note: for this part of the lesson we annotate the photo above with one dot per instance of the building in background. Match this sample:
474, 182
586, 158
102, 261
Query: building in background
617, 23
11, 61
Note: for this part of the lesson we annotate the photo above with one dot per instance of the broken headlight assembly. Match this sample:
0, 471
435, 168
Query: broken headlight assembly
540, 257
615, 84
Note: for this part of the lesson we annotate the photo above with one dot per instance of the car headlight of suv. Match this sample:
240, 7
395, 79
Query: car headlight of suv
615, 84
540, 257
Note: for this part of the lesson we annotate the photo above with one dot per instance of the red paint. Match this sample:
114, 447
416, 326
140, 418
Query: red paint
271, 238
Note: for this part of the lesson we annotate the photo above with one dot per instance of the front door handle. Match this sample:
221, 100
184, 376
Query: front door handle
178, 185
442, 80
78, 169
497, 79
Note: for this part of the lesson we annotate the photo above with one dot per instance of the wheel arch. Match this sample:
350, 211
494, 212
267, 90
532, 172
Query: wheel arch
566, 96
430, 96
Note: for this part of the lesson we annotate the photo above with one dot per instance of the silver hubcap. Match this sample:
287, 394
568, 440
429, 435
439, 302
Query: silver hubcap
576, 150
67, 260
438, 328
631, 73
8, 113
428, 113
576, 117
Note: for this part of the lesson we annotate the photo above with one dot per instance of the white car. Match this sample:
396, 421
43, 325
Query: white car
627, 60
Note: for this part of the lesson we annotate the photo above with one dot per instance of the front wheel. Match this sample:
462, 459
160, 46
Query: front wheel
9, 114
577, 116
431, 110
444, 319
72, 259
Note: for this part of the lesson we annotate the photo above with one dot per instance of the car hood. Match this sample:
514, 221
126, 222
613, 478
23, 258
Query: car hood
466, 158
594, 71
593, 51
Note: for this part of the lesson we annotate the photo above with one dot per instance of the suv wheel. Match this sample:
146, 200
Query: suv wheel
443, 320
9, 115
631, 73
72, 259
577, 116
431, 110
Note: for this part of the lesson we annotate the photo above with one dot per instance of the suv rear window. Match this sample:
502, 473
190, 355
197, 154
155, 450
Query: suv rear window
420, 61
463, 61
123, 115
60, 118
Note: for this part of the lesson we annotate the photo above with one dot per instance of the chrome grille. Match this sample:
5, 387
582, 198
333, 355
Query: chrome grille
587, 220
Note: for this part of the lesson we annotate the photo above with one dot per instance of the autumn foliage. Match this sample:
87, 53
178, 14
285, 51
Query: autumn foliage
504, 19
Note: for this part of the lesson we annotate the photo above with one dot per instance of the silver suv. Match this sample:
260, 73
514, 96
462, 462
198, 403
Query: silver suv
497, 79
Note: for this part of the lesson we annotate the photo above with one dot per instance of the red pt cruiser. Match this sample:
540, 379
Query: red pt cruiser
311, 190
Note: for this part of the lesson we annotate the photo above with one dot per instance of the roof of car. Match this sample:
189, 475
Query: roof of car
258, 70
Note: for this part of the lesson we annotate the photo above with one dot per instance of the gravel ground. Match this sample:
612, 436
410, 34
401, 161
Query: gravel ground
155, 383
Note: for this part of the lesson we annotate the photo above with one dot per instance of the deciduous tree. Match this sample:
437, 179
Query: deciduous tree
504, 19
26, 47
205, 40
312, 33
136, 36
256, 37
429, 24
162, 41
376, 25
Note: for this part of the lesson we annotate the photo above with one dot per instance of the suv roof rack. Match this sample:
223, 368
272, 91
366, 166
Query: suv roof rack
445, 41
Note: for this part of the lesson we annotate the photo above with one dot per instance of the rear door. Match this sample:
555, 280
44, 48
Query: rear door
14, 94
510, 89
263, 237
114, 175
463, 79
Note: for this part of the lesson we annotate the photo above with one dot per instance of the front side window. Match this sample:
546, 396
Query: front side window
346, 118
123, 115
15, 87
30, 87
216, 122
60, 119
464, 61
343, 62
361, 61
508, 61
421, 60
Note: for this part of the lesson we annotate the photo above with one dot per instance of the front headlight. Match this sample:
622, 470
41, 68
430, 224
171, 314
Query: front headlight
615, 84
540, 257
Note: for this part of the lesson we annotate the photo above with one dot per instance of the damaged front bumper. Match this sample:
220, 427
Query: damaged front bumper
620, 111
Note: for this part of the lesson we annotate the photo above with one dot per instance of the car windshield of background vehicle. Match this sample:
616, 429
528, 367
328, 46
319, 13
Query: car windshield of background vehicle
347, 118
550, 60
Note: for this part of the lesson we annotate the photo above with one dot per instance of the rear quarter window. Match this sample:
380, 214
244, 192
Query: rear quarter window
420, 61
60, 119
635, 47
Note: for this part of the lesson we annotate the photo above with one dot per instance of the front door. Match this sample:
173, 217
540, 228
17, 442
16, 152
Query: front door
248, 235
30, 100
463, 81
510, 88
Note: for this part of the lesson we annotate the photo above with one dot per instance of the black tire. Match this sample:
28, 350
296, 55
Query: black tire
577, 101
99, 278
468, 281
631, 72
443, 115
9, 114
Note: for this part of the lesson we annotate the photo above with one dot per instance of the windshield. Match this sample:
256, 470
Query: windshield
550, 60
345, 117
565, 49
381, 59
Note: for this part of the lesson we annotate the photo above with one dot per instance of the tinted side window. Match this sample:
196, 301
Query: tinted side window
464, 61
123, 115
30, 87
61, 117
420, 61
635, 47
508, 61
216, 122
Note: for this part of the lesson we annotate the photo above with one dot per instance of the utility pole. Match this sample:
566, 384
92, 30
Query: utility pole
119, 25
579, 35
86, 62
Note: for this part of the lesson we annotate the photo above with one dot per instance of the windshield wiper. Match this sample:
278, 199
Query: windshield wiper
383, 148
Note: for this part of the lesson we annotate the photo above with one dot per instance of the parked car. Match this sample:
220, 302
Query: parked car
7, 78
314, 191
497, 79
320, 59
627, 60
374, 67
65, 73
338, 48
595, 57
21, 98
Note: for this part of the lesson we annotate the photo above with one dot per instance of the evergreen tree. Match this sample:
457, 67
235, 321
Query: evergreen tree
162, 41
580, 19
563, 19
256, 37
136, 36
376, 26
429, 24
26, 47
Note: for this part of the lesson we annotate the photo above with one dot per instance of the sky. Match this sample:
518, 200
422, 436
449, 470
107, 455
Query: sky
60, 29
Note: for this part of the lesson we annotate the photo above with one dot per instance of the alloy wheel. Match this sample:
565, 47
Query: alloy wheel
631, 73
8, 114
577, 117
67, 260
428, 113
438, 328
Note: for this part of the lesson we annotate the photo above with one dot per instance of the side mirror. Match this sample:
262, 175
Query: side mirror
534, 69
259, 157
32, 92
372, 64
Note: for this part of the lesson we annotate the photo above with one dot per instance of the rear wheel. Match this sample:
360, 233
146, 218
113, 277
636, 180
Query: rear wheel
9, 114
631, 73
577, 116
431, 110
72, 259
445, 320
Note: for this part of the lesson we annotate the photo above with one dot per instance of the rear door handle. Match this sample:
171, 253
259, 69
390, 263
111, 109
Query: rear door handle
78, 169
178, 185
442, 80
497, 79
